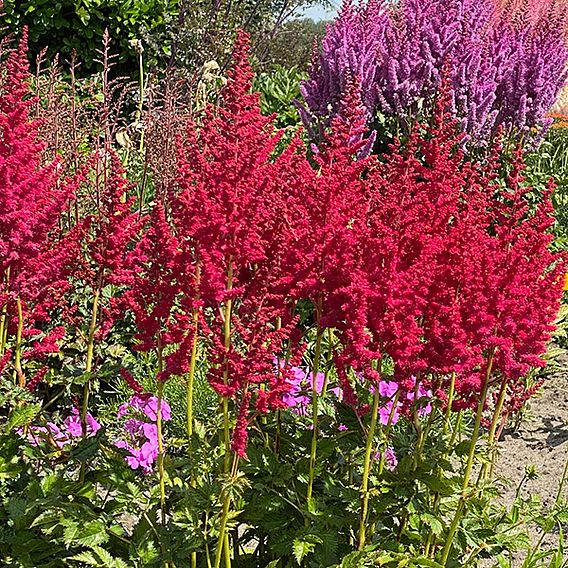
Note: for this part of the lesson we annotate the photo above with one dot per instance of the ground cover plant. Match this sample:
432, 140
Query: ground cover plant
225, 341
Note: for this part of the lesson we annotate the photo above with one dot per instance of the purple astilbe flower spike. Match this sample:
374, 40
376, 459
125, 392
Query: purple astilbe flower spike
504, 76
351, 43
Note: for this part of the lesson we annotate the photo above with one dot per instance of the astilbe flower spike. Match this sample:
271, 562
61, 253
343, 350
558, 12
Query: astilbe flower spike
104, 237
34, 255
331, 226
160, 275
231, 216
503, 75
437, 305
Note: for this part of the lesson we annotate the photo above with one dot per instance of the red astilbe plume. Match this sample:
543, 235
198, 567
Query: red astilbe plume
331, 227
106, 235
160, 275
414, 196
231, 217
34, 256
518, 285
459, 268
506, 289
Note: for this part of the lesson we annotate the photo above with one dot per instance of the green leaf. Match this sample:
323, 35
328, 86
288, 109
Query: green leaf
86, 558
70, 533
423, 561
93, 533
434, 523
23, 415
301, 549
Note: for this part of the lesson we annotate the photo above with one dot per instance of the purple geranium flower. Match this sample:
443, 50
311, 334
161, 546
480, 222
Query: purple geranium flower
141, 430
70, 430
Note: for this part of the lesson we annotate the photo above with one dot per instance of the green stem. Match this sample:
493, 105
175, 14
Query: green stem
329, 361
315, 371
227, 550
89, 368
90, 356
430, 545
387, 429
4, 316
189, 401
227, 345
450, 401
561, 484
417, 426
18, 371
223, 540
223, 545
161, 454
367, 470
491, 441
457, 429
191, 376
469, 466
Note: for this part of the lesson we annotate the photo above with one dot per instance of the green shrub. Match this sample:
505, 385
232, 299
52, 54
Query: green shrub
78, 25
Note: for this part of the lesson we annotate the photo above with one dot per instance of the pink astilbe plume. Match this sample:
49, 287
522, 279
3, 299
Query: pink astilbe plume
106, 235
331, 228
414, 196
232, 216
154, 296
34, 255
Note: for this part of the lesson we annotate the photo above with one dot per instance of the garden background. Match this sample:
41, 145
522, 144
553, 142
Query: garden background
277, 292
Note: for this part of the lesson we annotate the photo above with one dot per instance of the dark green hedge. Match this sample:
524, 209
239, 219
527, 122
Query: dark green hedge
67, 25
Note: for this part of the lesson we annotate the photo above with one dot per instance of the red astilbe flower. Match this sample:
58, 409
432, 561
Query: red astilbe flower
331, 227
131, 381
458, 268
232, 218
34, 256
104, 238
162, 316
414, 196
519, 280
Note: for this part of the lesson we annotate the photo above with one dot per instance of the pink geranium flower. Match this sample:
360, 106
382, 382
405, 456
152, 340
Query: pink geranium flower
141, 431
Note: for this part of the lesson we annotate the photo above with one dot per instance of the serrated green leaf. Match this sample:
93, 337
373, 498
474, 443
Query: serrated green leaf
86, 557
301, 549
22, 415
92, 534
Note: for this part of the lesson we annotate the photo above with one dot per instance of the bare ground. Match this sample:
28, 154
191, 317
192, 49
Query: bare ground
541, 441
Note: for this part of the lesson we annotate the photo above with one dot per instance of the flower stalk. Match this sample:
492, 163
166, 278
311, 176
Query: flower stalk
18, 371
367, 469
470, 459
315, 409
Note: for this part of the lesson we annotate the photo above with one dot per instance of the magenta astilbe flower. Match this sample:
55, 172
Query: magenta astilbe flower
234, 218
34, 255
162, 295
330, 227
